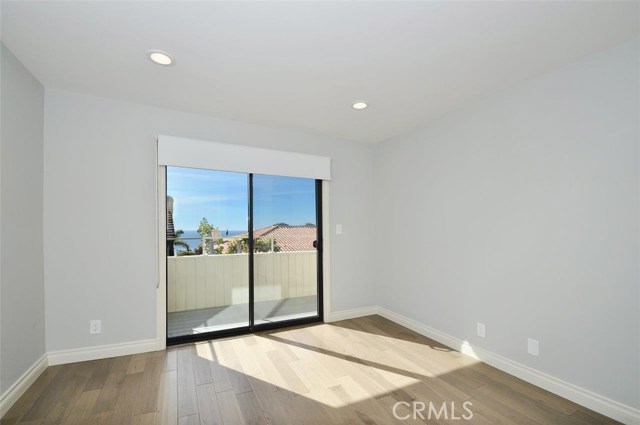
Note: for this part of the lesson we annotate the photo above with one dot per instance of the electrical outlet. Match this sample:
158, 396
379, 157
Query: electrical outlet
338, 229
533, 347
481, 330
95, 327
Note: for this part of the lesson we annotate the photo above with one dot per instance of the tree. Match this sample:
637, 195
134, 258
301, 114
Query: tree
218, 249
205, 231
264, 245
232, 247
205, 228
259, 245
177, 242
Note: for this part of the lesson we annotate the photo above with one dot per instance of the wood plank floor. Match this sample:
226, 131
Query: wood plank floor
350, 372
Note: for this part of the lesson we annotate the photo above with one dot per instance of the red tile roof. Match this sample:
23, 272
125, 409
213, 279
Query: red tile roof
289, 238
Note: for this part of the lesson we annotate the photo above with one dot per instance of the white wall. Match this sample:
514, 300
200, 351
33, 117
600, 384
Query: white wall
100, 210
21, 277
522, 212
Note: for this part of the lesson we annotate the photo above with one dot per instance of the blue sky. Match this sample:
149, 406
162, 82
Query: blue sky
222, 198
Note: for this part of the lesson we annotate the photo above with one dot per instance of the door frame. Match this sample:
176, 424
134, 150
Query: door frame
161, 272
322, 216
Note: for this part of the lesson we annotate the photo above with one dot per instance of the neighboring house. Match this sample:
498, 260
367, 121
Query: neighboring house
289, 238
171, 231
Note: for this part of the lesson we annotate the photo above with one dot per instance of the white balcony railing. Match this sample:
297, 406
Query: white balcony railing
202, 281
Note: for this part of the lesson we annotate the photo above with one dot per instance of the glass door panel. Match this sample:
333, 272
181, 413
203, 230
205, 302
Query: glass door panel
207, 252
285, 259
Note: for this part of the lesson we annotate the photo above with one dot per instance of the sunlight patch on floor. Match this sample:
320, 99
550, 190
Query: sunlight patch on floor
333, 365
467, 349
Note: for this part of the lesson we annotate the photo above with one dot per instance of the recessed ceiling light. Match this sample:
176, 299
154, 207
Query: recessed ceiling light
359, 105
160, 57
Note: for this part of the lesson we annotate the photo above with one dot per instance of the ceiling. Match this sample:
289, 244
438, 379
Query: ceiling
301, 64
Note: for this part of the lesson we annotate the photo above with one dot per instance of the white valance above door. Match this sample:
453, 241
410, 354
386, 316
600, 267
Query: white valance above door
192, 153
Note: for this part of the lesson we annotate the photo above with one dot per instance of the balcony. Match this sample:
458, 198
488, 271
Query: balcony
211, 292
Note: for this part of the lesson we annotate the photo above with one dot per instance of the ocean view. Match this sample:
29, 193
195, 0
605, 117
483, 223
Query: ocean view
192, 238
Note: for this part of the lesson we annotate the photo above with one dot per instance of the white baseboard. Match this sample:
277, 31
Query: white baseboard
102, 351
335, 316
23, 383
596, 402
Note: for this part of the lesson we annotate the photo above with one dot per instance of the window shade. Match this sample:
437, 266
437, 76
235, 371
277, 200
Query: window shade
181, 152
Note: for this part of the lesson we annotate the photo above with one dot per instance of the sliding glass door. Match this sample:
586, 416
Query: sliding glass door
207, 280
285, 235
243, 252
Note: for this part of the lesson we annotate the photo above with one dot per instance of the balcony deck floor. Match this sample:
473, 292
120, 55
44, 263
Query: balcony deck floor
232, 316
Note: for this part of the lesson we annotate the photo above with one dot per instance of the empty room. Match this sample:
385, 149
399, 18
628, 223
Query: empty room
319, 212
